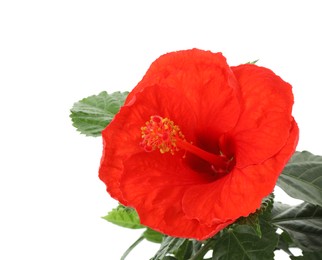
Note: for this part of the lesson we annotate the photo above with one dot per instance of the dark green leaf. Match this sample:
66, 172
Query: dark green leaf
240, 242
170, 245
199, 250
302, 222
92, 114
267, 206
253, 220
152, 235
184, 251
285, 242
309, 256
196, 245
302, 178
124, 217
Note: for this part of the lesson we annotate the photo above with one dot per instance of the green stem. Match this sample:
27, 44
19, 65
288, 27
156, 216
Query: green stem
132, 247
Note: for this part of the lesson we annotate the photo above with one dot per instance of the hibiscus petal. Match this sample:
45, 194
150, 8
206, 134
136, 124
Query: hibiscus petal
241, 191
122, 137
154, 185
263, 126
205, 80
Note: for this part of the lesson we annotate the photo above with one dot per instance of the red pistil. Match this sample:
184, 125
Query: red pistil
219, 161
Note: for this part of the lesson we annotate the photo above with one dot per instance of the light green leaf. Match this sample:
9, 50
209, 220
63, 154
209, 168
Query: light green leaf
153, 236
302, 178
302, 222
241, 243
124, 217
252, 62
92, 114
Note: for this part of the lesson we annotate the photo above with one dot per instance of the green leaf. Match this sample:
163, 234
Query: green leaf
267, 206
252, 62
309, 256
92, 114
253, 220
302, 222
153, 236
285, 242
124, 217
169, 245
240, 242
196, 245
302, 177
184, 251
199, 249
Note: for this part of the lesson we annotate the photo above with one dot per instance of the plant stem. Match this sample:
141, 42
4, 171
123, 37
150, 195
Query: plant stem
132, 247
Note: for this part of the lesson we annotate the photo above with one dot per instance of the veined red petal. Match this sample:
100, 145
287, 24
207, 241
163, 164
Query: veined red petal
122, 137
154, 185
205, 80
241, 191
263, 127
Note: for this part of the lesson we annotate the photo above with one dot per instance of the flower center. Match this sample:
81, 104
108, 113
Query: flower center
162, 134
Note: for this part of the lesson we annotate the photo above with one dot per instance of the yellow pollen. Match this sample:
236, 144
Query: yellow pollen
161, 133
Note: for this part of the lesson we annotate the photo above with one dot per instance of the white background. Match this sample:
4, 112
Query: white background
53, 53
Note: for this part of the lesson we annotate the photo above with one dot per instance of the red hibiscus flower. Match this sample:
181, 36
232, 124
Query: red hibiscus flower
198, 144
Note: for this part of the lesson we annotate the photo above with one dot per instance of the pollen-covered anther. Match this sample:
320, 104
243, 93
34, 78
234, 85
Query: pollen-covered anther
162, 134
